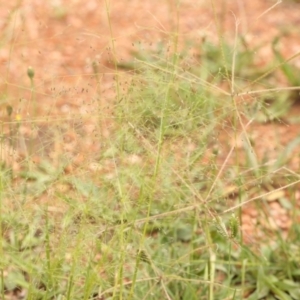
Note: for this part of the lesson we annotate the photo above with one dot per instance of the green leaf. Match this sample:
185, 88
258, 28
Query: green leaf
184, 233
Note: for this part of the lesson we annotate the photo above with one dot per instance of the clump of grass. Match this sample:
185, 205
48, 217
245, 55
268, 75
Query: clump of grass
159, 213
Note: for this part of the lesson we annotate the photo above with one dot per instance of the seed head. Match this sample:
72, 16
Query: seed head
30, 73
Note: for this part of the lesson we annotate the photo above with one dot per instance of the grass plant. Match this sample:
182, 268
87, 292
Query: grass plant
157, 211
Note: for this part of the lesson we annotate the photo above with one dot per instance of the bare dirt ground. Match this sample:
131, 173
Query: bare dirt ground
62, 40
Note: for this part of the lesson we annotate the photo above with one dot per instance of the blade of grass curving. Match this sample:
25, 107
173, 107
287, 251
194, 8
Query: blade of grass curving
251, 155
269, 9
290, 72
286, 153
292, 88
223, 166
260, 196
271, 71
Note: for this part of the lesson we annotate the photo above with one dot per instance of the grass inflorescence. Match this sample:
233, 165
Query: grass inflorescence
143, 189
